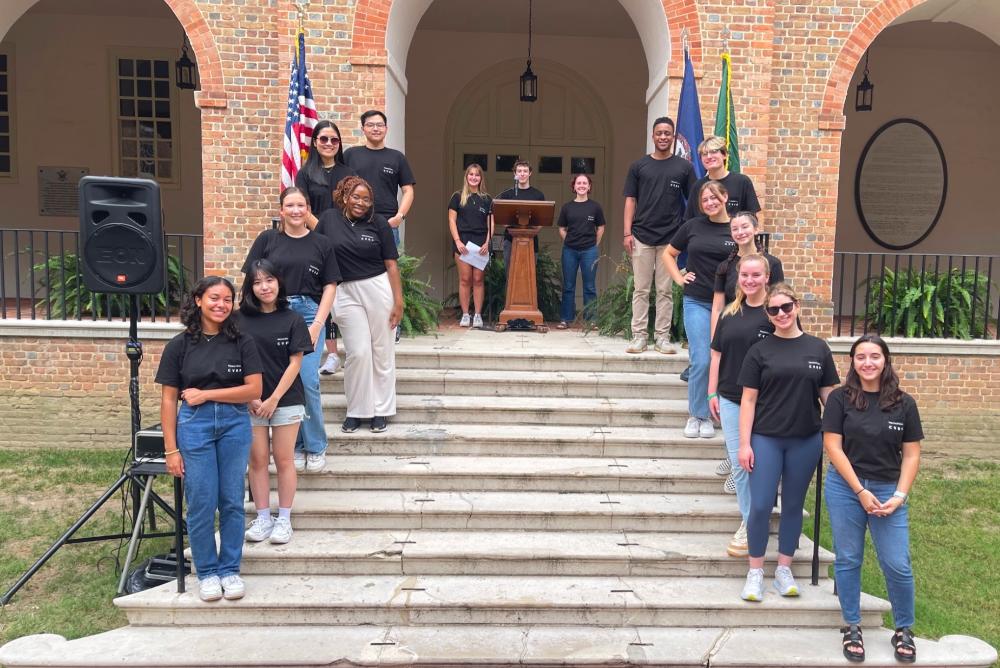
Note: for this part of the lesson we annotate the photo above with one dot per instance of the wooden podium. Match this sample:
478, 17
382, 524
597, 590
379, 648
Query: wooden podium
522, 219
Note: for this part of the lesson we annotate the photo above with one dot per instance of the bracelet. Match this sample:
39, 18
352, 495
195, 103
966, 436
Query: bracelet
713, 395
628, 235
901, 495
858, 493
170, 452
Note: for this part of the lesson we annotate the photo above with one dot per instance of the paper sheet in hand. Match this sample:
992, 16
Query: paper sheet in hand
474, 258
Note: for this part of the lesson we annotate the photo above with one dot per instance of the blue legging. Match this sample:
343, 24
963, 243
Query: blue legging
792, 460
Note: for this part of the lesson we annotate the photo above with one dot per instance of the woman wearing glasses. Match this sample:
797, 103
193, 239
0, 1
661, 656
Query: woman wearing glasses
784, 379
318, 178
369, 302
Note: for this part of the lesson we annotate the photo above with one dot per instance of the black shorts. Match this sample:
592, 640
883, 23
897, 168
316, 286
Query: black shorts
478, 239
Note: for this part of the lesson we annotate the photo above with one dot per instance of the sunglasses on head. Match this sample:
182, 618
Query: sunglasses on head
327, 140
785, 308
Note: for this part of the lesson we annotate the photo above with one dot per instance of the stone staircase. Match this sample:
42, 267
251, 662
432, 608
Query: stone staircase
533, 503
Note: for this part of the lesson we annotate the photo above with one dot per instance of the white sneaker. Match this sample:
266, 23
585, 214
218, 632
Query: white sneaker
784, 581
637, 344
706, 429
331, 365
753, 590
465, 321
315, 462
729, 487
477, 321
725, 467
210, 589
664, 346
260, 529
282, 531
300, 461
691, 429
738, 545
233, 587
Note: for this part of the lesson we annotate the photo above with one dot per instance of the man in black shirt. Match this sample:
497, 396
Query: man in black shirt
385, 169
742, 195
655, 188
522, 190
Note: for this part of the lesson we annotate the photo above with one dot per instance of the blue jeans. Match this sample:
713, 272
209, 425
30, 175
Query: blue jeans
792, 460
586, 262
214, 440
891, 536
730, 414
698, 324
312, 434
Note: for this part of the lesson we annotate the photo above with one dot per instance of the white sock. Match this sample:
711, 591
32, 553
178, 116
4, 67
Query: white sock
285, 513
264, 514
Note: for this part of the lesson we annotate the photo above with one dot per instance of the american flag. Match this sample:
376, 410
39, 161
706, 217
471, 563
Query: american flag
300, 119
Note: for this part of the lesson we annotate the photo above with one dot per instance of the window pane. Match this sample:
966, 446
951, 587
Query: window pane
129, 149
125, 67
5, 164
4, 144
146, 149
5, 124
161, 70
129, 168
3, 82
162, 89
550, 164
126, 88
3, 103
145, 108
126, 108
505, 163
3, 62
144, 88
582, 165
147, 168
145, 129
127, 128
163, 149
163, 130
163, 108
165, 170
143, 68
477, 158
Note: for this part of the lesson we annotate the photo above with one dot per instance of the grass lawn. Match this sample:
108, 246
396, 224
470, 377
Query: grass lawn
955, 543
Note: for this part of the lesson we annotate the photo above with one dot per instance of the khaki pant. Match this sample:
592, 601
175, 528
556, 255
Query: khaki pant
646, 264
361, 311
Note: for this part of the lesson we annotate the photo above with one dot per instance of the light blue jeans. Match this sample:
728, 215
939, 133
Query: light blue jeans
697, 324
214, 440
891, 536
730, 413
586, 262
312, 434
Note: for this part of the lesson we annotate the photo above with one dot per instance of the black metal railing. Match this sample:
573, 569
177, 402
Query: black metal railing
914, 295
40, 278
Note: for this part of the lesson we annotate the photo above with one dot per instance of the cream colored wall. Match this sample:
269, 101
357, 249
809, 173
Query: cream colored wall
441, 64
63, 111
944, 76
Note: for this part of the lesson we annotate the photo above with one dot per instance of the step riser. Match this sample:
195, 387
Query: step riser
691, 449
508, 484
486, 415
648, 362
513, 521
501, 388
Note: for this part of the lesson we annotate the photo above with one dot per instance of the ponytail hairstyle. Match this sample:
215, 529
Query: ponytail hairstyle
248, 300
465, 192
345, 188
290, 190
190, 314
736, 306
889, 393
724, 267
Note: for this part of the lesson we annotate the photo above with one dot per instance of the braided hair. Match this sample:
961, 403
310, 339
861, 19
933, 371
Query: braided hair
348, 185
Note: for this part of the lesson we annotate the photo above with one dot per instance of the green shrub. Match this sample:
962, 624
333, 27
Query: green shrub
421, 312
66, 296
921, 304
613, 307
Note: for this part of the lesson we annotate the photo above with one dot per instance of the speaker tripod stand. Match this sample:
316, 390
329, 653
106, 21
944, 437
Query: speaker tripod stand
139, 475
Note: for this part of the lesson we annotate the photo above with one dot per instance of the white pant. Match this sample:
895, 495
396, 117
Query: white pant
362, 310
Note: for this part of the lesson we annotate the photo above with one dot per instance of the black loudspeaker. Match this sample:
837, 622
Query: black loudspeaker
121, 235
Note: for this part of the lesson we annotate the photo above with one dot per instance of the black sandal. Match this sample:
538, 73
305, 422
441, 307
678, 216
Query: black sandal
903, 639
853, 641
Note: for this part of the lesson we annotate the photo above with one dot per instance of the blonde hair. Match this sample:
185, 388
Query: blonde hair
782, 289
712, 143
736, 306
464, 197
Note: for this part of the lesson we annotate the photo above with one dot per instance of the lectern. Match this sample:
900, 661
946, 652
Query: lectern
522, 218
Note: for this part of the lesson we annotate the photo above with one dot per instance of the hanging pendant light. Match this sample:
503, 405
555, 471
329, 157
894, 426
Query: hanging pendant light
863, 96
186, 70
529, 82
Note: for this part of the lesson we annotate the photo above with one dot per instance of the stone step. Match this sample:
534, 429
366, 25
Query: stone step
506, 383
276, 600
475, 645
531, 511
499, 355
428, 552
472, 473
504, 411
519, 440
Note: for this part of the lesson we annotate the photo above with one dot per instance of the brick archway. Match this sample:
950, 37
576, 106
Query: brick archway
878, 17
213, 92
372, 17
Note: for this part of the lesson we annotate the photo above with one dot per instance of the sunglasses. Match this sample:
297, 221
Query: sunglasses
784, 308
327, 140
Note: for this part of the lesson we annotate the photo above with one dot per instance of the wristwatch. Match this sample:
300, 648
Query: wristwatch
901, 495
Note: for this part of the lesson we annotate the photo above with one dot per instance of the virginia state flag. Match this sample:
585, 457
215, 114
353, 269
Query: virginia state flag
690, 132
725, 116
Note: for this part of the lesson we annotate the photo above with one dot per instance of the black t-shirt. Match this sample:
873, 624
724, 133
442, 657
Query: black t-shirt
320, 195
742, 196
727, 284
530, 193
873, 439
472, 220
581, 220
386, 169
734, 336
659, 188
278, 336
207, 364
707, 245
306, 263
361, 248
788, 374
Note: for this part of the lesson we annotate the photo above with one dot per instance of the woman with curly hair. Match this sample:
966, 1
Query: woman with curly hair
214, 371
369, 303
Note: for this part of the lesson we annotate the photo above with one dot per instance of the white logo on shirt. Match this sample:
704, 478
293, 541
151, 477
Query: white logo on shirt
482, 210
728, 242
313, 269
763, 333
388, 170
590, 219
895, 426
369, 237
232, 367
675, 184
281, 342
814, 365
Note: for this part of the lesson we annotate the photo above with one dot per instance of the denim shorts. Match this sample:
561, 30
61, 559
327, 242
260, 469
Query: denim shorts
282, 415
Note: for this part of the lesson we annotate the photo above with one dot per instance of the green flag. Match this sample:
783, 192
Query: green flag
725, 117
